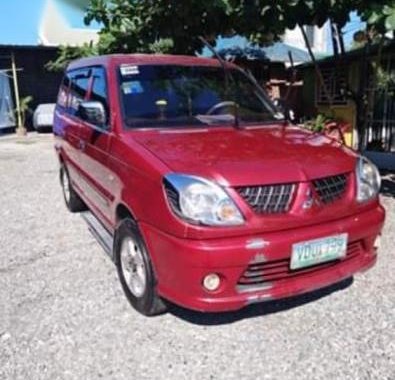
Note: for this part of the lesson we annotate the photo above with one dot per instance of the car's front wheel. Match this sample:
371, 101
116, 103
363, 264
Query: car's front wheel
73, 201
135, 269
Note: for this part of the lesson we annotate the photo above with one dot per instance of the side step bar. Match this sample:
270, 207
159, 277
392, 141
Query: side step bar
99, 232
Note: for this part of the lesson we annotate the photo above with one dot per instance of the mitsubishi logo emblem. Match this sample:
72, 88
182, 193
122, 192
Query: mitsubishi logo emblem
310, 199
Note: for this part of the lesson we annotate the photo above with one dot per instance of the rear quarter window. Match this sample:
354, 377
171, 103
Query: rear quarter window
63, 92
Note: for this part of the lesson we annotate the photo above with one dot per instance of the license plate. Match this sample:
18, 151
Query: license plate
313, 252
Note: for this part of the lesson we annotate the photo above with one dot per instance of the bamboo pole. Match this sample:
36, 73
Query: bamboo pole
16, 91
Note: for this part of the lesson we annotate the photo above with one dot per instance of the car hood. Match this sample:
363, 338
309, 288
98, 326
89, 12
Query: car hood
251, 156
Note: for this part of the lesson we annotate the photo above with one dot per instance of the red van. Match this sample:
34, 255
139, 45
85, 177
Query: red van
199, 189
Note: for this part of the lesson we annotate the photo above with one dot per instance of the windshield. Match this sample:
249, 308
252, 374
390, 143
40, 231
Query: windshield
169, 95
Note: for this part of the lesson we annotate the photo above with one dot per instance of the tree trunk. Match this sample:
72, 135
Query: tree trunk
341, 39
334, 38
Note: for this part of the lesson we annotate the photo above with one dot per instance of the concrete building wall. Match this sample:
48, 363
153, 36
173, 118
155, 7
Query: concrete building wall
318, 37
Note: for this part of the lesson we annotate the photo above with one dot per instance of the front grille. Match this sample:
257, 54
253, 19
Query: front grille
260, 274
330, 189
268, 199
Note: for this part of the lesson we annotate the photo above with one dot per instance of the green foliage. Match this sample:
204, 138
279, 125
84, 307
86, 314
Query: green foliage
137, 26
70, 53
173, 26
318, 124
383, 79
148, 26
24, 108
380, 15
163, 46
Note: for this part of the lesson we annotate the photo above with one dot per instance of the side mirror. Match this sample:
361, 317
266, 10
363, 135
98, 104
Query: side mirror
93, 112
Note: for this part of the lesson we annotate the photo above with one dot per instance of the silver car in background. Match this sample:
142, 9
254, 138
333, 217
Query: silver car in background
43, 117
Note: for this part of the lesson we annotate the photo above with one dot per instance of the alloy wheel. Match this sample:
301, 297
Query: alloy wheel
133, 266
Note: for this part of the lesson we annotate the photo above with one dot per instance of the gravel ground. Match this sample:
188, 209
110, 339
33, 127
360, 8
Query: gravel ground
63, 314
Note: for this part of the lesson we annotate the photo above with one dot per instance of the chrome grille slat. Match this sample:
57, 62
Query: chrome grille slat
281, 191
268, 199
332, 188
290, 198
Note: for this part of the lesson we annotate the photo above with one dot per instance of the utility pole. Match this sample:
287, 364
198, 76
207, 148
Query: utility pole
20, 127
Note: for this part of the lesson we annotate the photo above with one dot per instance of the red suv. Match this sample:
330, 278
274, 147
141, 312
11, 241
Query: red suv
199, 189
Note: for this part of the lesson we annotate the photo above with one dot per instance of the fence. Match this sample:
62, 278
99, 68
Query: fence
380, 126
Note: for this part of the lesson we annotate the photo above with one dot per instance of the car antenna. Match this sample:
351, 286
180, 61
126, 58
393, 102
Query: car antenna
226, 72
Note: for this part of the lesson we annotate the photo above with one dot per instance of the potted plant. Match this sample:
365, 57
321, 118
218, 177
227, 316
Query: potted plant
329, 126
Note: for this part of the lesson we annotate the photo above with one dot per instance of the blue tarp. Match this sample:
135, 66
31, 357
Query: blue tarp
7, 117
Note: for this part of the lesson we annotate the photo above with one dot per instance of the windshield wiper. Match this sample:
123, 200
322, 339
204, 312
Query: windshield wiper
227, 73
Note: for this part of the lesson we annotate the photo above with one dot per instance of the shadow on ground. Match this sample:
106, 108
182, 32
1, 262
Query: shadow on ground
256, 310
388, 184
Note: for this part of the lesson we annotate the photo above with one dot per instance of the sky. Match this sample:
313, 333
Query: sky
20, 20
351, 27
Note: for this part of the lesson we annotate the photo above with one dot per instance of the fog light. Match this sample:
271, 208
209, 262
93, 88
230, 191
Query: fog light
211, 282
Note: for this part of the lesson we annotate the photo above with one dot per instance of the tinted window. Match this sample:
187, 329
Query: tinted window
99, 88
80, 80
164, 95
63, 91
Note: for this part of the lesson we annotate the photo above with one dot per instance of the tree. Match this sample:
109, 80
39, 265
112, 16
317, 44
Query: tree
380, 16
24, 108
139, 26
173, 26
147, 26
69, 53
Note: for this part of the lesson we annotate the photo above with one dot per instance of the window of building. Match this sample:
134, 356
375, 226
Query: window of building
335, 79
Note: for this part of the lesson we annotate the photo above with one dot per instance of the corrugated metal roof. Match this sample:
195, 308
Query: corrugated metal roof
355, 54
278, 52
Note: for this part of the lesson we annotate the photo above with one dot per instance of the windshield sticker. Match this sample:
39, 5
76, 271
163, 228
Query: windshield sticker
129, 70
132, 87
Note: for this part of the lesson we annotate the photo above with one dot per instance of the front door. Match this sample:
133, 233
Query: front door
94, 144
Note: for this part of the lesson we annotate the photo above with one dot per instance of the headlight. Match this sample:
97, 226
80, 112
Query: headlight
368, 180
201, 201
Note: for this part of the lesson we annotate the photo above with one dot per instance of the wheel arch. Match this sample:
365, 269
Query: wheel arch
122, 212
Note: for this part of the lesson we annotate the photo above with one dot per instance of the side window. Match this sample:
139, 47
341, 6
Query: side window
80, 80
99, 88
64, 91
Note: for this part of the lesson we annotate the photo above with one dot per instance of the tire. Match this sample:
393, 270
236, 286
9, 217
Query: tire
135, 269
73, 201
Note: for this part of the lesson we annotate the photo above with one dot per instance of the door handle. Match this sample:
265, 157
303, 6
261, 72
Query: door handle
82, 145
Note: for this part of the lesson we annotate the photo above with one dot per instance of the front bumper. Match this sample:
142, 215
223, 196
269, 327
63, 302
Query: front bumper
180, 264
